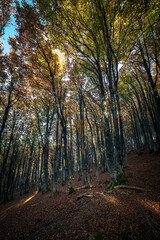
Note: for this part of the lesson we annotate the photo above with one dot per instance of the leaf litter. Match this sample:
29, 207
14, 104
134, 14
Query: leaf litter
131, 212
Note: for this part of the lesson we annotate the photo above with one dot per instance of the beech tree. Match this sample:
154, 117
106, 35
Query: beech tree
85, 38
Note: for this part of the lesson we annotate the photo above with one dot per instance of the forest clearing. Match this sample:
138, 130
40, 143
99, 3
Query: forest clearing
117, 214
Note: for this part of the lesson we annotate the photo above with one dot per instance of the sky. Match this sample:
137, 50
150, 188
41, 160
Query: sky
10, 30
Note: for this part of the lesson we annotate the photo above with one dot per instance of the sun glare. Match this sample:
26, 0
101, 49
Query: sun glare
110, 199
151, 205
60, 54
28, 199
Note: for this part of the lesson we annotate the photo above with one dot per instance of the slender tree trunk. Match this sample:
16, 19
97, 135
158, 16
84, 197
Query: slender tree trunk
78, 166
28, 173
3, 167
6, 112
93, 148
55, 162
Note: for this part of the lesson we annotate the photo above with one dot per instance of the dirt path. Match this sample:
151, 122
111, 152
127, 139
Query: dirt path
121, 214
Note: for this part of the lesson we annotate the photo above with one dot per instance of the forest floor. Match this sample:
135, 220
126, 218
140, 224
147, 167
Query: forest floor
120, 214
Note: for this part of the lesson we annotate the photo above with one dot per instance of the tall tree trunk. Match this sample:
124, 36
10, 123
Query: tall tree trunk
3, 167
28, 172
78, 165
93, 148
55, 161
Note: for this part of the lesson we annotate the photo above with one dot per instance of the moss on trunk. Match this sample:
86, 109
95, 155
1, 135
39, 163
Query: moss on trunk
71, 190
121, 178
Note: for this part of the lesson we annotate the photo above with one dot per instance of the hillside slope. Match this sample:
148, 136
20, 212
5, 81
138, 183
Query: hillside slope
120, 214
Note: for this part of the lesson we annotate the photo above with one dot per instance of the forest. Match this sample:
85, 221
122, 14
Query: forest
79, 91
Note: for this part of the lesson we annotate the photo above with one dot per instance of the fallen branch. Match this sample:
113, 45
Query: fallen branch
108, 192
130, 187
89, 195
92, 194
84, 187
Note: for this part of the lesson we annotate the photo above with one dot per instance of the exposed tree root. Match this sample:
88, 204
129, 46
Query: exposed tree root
130, 187
92, 194
109, 192
84, 187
